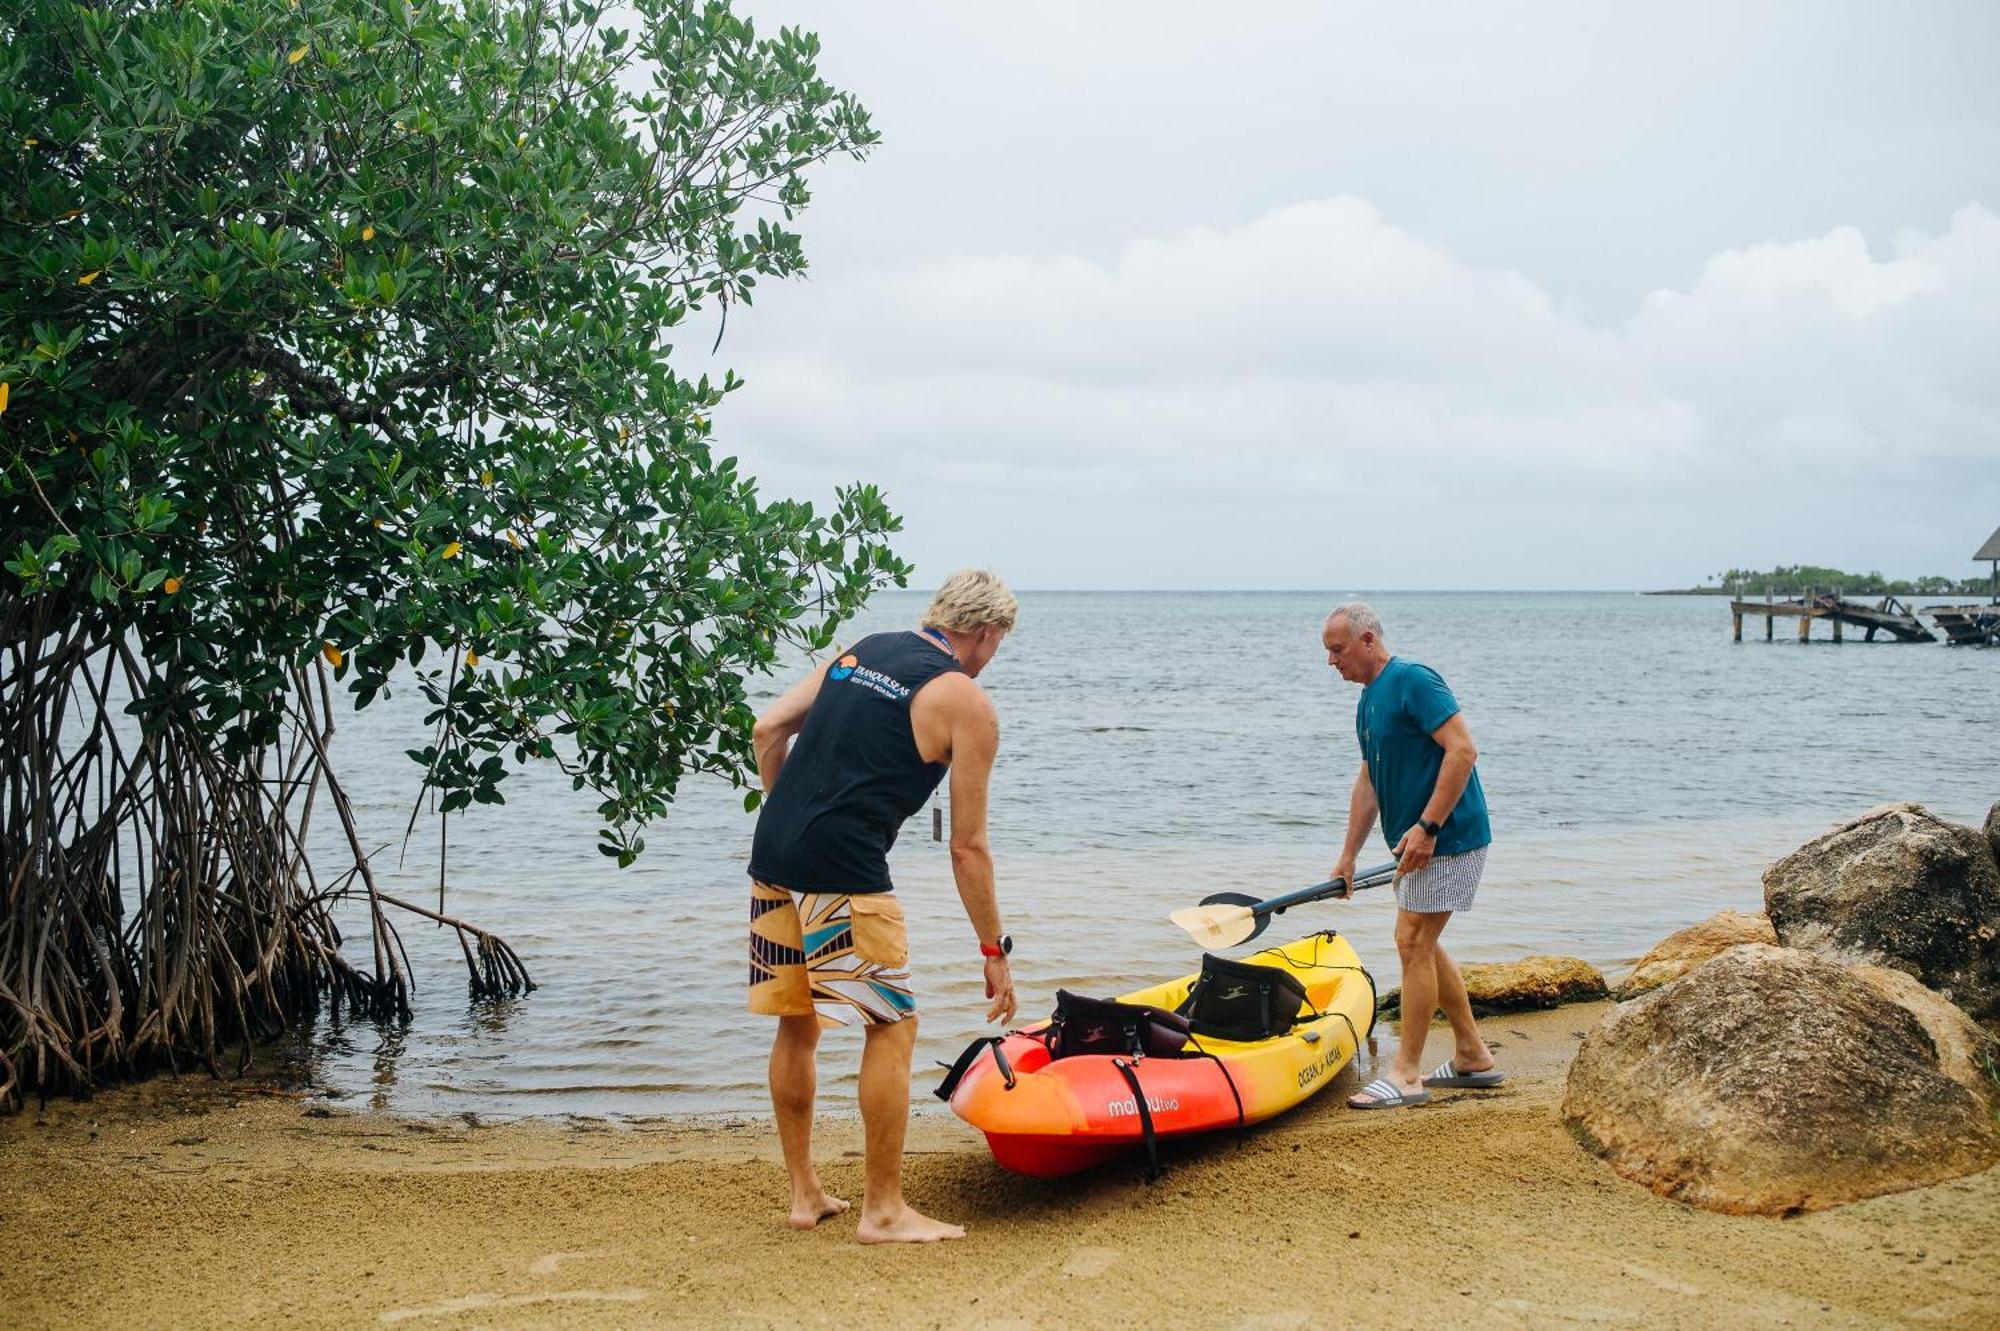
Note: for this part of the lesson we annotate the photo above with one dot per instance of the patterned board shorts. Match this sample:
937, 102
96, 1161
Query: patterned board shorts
1447, 883
843, 957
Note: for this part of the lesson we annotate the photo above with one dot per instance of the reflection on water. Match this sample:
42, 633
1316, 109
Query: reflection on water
1642, 770
387, 1051
493, 1016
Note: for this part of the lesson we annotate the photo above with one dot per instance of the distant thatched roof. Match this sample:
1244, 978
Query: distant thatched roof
1990, 550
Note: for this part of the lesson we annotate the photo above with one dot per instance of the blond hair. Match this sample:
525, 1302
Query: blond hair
971, 599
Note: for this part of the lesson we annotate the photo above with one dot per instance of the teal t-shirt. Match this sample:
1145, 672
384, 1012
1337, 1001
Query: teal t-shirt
1394, 721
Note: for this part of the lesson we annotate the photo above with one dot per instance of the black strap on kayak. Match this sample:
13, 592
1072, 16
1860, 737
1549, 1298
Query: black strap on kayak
1318, 1015
1374, 993
1131, 1076
964, 1063
1352, 1033
1229, 1081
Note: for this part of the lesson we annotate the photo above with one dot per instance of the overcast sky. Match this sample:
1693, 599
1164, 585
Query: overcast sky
1347, 296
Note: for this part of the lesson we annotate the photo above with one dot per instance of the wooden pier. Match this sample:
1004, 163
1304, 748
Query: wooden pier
1963, 625
1967, 625
1888, 616
1974, 625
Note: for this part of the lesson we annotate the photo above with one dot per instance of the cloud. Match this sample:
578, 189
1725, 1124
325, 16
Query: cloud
1322, 352
1816, 353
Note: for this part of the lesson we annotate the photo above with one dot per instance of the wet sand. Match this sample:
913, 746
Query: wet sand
188, 1206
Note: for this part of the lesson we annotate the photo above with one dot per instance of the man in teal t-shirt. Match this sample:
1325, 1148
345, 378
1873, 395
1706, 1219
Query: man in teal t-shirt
1418, 773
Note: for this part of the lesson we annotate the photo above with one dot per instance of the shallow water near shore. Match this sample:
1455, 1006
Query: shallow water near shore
1641, 768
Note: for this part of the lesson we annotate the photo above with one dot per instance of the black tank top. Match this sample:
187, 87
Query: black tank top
853, 775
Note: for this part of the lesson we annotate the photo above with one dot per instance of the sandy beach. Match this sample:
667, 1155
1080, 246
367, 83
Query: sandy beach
190, 1205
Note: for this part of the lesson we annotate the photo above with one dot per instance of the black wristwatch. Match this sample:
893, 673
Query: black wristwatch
1430, 827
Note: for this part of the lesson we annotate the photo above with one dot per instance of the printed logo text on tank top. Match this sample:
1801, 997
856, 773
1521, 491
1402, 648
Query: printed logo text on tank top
849, 670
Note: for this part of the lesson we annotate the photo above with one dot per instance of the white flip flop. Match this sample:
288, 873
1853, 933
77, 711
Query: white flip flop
1447, 1074
1385, 1094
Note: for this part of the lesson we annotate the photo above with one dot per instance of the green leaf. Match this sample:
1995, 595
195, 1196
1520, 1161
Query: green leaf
338, 295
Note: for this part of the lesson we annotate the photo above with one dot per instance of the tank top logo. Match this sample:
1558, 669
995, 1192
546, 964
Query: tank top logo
850, 670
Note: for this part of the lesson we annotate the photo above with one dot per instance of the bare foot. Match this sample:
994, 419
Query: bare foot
809, 1211
906, 1226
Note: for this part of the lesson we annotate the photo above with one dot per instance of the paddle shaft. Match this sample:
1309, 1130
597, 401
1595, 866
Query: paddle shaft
1367, 878
1227, 919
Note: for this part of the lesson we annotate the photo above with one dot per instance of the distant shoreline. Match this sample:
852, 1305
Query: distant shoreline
1782, 593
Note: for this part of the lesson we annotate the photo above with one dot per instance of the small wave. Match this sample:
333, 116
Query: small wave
1126, 730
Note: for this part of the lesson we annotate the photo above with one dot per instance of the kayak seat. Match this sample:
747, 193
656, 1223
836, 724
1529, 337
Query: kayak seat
1242, 1001
1082, 1025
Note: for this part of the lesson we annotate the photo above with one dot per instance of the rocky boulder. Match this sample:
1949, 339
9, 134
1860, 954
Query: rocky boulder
1965, 1053
1531, 982
1677, 954
1900, 888
1769, 1080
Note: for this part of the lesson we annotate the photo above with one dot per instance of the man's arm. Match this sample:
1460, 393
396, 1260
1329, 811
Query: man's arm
1361, 811
975, 740
1414, 851
772, 735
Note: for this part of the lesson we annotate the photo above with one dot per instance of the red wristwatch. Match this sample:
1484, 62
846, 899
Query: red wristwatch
999, 949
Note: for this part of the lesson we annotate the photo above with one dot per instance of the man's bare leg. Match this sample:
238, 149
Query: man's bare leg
794, 1085
1416, 943
885, 1114
1469, 1051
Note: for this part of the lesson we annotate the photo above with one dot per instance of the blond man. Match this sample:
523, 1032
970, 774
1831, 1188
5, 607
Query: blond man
846, 756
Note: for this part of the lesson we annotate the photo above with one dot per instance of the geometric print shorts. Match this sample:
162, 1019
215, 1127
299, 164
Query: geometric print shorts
843, 957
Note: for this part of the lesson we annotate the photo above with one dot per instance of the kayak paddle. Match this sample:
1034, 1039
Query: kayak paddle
1228, 918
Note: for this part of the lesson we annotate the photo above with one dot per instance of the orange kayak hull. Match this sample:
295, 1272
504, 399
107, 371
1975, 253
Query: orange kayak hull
1057, 1116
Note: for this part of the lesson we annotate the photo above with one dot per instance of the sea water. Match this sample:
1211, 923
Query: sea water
1642, 771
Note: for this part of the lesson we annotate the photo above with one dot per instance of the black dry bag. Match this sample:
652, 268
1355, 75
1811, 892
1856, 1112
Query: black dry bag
1103, 1026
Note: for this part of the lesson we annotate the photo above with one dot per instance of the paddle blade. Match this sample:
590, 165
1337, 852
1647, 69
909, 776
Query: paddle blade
1220, 926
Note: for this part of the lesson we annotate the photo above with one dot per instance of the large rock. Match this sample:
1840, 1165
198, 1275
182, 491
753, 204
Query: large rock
1898, 887
1531, 982
1965, 1053
1993, 831
1677, 954
1769, 1080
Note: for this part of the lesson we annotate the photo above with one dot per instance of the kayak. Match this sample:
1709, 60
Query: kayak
1051, 1116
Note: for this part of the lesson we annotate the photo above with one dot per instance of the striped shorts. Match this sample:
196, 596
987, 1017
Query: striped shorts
1447, 883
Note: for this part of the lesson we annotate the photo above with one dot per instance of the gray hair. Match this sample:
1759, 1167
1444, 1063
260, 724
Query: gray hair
1361, 617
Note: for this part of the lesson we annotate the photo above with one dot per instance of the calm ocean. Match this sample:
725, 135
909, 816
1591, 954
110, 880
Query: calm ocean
1642, 771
